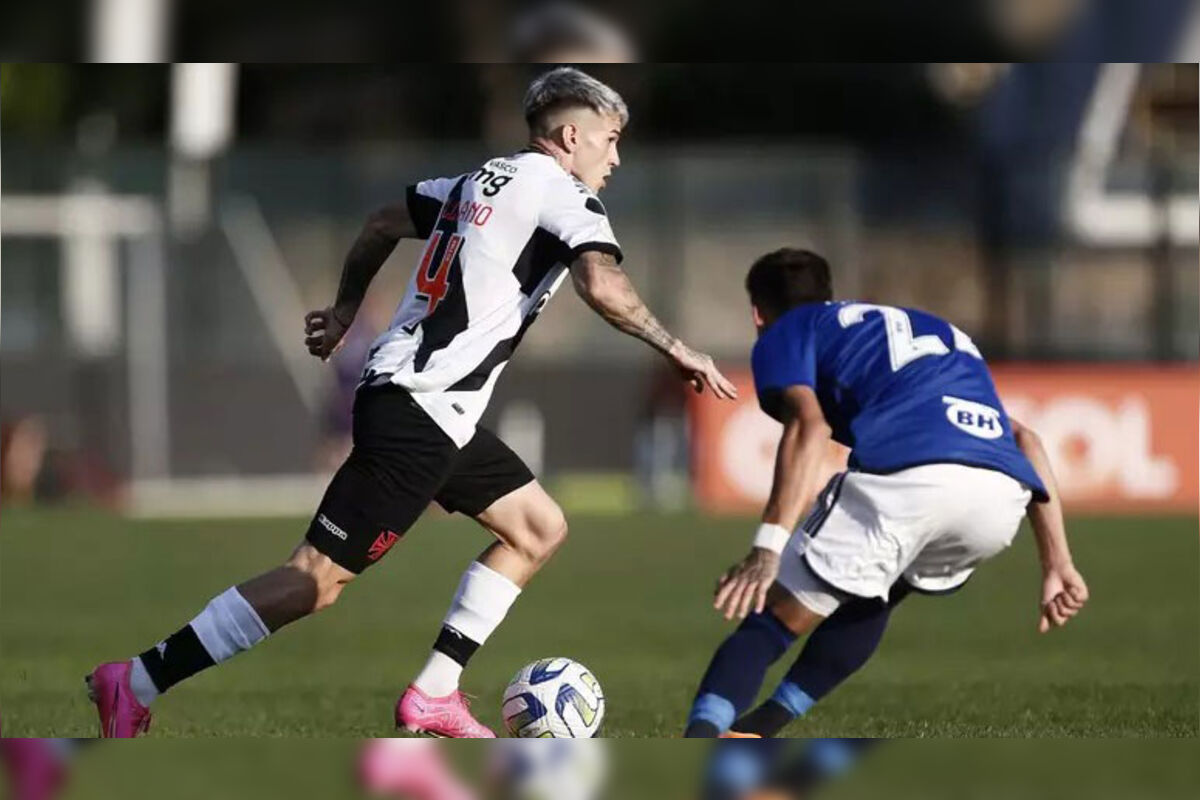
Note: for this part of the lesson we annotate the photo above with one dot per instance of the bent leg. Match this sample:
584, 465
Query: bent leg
736, 672
529, 526
835, 650
239, 618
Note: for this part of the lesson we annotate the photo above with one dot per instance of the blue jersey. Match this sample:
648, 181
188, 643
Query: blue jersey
899, 387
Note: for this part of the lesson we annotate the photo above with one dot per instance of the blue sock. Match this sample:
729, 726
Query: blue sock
738, 767
736, 672
821, 761
834, 651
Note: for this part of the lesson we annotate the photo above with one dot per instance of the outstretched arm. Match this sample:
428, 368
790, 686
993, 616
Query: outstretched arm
798, 464
385, 227
605, 287
799, 458
1063, 589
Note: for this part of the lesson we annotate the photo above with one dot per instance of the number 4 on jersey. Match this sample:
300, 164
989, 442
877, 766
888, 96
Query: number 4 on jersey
432, 288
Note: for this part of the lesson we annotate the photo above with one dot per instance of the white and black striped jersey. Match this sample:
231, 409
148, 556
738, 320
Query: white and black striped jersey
498, 242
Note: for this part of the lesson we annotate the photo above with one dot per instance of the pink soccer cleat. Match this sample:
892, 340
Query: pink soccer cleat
36, 771
121, 715
448, 717
411, 768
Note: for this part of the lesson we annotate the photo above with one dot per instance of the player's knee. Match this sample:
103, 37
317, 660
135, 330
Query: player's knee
794, 616
326, 578
545, 535
327, 595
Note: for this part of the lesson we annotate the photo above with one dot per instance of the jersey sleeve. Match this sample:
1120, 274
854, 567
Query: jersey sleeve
784, 356
425, 203
578, 219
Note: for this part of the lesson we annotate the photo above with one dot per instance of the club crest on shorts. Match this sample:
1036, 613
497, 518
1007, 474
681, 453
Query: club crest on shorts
383, 543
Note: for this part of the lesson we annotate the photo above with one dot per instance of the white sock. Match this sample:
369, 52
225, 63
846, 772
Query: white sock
139, 680
228, 625
479, 606
439, 677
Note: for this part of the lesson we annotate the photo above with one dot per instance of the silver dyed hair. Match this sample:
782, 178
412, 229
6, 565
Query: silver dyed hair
567, 86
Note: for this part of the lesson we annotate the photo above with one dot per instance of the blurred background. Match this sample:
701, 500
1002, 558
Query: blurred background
165, 228
608, 30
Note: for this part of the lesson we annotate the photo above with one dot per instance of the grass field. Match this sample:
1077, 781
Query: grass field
662, 770
628, 596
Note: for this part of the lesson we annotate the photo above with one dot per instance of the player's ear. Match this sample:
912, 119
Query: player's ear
759, 322
570, 136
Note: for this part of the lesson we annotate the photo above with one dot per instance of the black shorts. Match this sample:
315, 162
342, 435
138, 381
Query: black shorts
401, 460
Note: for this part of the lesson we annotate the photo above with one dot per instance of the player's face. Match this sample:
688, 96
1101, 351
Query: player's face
595, 155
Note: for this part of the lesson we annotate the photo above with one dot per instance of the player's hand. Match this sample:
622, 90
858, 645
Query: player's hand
1063, 594
323, 332
699, 370
744, 586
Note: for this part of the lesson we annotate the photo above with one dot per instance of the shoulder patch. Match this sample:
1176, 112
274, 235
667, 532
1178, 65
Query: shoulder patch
595, 205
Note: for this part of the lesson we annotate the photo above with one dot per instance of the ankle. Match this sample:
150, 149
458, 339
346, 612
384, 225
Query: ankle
766, 721
439, 677
140, 682
701, 729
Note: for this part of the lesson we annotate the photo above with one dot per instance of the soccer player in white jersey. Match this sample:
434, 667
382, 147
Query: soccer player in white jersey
500, 239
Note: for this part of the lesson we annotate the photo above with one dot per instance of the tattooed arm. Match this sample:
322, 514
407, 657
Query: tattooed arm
385, 227
605, 287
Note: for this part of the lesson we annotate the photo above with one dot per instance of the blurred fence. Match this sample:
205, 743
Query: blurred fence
204, 375
1122, 439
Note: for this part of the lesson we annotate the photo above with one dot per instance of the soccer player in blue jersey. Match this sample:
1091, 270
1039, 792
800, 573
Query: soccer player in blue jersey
939, 479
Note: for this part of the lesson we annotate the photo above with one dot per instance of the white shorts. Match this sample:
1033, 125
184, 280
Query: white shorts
930, 525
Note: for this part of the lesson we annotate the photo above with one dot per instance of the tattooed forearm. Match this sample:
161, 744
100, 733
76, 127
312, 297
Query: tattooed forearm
374, 244
605, 287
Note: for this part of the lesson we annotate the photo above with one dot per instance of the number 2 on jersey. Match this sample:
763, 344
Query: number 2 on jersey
903, 346
432, 288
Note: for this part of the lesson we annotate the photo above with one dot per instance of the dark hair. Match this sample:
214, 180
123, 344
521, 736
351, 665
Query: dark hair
788, 277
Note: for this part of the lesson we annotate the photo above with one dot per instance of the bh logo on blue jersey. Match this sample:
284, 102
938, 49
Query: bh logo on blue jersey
974, 418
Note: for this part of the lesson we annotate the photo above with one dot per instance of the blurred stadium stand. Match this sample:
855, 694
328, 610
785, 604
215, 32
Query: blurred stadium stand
152, 299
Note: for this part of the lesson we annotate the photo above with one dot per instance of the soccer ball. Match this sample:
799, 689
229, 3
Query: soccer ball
561, 770
554, 697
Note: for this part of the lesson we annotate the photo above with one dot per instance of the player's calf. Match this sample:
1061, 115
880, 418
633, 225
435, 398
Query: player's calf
735, 674
838, 648
529, 527
737, 669
231, 623
307, 582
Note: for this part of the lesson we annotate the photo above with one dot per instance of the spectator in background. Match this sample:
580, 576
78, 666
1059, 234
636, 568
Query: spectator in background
567, 33
32, 471
23, 445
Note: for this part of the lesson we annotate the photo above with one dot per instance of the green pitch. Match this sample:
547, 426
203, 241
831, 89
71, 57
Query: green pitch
628, 596
947, 769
